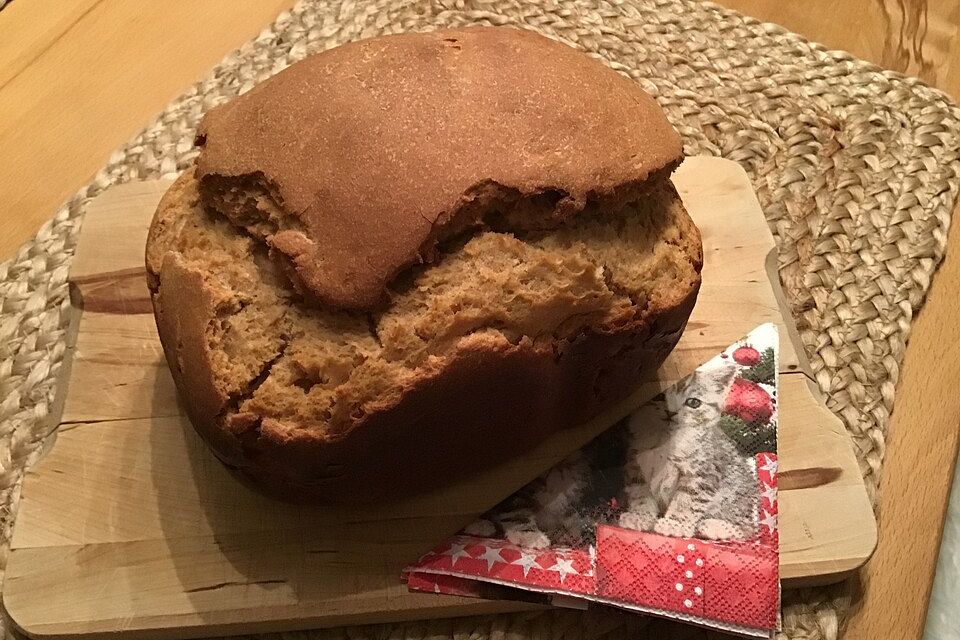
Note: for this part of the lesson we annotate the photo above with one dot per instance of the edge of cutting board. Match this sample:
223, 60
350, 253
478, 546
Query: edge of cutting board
23, 557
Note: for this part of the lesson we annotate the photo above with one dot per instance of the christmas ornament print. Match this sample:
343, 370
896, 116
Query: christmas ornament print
746, 356
748, 401
612, 524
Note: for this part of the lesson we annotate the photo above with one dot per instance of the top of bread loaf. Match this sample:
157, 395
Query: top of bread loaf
355, 163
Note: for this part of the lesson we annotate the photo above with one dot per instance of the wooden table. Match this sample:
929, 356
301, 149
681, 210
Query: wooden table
72, 89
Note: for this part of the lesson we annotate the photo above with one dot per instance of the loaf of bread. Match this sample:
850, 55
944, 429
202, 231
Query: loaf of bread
407, 258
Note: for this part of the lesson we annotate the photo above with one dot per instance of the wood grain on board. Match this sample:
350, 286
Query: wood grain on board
130, 526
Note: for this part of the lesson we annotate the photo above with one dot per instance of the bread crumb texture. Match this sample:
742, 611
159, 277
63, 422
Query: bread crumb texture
273, 354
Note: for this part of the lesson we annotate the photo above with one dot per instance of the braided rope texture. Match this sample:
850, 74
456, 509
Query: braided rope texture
856, 169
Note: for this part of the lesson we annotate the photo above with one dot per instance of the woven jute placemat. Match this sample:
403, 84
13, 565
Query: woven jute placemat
856, 168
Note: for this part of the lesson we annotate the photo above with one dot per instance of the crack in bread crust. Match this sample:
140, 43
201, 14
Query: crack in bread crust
359, 160
287, 370
252, 203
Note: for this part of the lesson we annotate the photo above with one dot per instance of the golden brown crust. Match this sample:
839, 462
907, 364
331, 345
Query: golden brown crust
355, 162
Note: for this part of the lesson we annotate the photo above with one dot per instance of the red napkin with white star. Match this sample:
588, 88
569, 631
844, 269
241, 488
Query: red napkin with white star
672, 512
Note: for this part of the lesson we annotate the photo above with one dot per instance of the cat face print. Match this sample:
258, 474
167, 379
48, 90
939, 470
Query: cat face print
699, 400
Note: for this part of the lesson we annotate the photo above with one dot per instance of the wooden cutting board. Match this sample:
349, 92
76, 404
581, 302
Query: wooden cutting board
129, 527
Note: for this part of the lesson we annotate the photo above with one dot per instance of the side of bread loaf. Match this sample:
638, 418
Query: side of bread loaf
406, 259
477, 357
